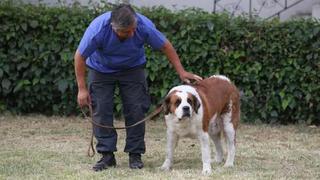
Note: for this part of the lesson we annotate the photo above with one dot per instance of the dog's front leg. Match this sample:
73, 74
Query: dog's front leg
205, 152
172, 140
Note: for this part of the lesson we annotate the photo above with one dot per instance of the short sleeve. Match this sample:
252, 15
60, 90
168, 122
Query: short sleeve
155, 38
88, 43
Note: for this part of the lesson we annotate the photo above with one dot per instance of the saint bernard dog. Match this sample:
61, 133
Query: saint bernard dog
203, 110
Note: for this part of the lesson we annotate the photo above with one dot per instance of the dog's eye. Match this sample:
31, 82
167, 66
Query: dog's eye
189, 101
178, 102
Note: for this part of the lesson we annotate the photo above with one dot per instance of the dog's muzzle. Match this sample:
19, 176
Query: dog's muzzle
186, 112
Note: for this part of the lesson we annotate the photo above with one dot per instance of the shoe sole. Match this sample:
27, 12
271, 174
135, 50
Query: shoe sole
104, 168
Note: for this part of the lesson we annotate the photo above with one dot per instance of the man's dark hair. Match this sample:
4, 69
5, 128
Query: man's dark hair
123, 16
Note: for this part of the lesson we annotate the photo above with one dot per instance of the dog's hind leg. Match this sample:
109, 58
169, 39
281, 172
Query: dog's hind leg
230, 133
215, 134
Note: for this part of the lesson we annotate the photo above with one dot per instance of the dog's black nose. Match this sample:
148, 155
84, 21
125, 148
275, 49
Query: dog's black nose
186, 111
185, 108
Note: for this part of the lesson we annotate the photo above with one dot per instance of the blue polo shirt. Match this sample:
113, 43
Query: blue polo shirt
105, 53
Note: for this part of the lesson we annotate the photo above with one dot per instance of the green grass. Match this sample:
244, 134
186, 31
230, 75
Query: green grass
39, 147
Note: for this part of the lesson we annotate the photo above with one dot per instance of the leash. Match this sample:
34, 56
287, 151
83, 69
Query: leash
160, 107
91, 146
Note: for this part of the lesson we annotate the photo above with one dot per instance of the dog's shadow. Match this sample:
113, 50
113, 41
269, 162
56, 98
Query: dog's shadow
186, 156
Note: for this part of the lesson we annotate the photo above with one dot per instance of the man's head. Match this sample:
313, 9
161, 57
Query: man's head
123, 21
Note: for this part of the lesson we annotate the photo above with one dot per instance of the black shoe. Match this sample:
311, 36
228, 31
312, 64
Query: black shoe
105, 162
135, 161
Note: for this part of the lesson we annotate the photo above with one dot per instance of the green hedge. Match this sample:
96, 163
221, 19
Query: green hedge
275, 65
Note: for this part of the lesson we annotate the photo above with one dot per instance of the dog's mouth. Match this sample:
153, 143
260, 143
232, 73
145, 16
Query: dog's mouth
185, 116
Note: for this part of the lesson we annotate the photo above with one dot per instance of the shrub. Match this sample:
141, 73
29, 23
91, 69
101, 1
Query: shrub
274, 64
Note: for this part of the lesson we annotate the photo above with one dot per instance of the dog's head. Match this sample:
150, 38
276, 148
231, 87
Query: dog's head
182, 104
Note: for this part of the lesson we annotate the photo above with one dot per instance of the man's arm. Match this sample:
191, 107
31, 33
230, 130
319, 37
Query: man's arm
173, 57
80, 70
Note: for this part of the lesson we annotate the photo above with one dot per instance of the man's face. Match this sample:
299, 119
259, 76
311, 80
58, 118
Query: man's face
125, 33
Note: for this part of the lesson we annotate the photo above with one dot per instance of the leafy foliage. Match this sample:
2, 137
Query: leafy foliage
274, 64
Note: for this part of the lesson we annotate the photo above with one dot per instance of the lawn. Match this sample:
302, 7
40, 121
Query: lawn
39, 147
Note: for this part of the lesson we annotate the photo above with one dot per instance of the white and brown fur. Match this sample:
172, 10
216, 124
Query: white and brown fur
203, 111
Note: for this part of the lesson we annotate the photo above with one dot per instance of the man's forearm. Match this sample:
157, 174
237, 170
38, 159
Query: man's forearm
80, 70
173, 57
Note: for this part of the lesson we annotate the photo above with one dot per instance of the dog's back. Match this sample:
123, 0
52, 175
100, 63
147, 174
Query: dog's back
220, 96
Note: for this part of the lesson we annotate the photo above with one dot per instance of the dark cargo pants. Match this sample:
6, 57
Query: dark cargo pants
135, 103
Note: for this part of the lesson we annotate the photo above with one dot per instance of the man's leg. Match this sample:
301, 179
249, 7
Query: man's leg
101, 87
136, 102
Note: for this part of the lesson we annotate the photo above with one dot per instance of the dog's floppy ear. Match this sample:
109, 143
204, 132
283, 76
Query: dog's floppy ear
167, 105
195, 103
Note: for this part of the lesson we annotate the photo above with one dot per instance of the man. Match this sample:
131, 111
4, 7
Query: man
112, 49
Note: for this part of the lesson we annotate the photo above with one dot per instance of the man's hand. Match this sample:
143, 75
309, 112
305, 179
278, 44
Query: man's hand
83, 98
188, 77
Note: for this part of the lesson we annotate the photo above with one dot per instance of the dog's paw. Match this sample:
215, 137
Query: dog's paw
206, 169
228, 165
206, 172
165, 168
